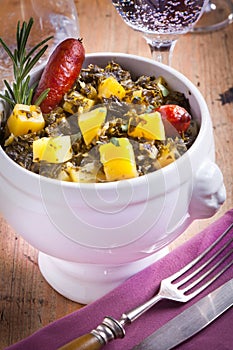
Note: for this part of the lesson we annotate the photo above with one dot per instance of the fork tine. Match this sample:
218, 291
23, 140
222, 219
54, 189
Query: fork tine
204, 286
207, 273
200, 268
199, 257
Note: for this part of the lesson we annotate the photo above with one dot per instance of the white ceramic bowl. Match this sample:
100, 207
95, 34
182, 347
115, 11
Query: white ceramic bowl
91, 237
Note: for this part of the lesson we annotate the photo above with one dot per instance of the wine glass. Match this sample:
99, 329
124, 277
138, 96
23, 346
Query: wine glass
218, 14
160, 22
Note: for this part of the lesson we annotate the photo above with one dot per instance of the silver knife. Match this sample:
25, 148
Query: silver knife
190, 321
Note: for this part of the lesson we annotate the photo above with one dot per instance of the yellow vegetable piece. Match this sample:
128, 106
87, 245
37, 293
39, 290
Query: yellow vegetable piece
25, 119
63, 176
73, 175
137, 93
110, 87
131, 97
52, 149
166, 157
150, 127
76, 102
9, 140
118, 160
80, 176
90, 123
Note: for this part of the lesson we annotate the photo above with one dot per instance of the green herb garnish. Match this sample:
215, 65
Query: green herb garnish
21, 92
164, 90
115, 141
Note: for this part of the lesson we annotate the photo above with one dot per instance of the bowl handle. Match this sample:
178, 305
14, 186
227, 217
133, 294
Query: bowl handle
209, 192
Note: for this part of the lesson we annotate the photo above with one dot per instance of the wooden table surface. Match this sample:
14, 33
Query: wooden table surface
27, 302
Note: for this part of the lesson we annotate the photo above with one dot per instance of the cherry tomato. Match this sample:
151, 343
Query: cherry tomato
176, 115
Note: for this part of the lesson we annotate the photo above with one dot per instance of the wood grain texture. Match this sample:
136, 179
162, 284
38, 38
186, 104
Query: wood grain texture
27, 302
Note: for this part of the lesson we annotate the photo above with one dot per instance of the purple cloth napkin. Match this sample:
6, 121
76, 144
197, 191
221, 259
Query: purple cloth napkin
136, 290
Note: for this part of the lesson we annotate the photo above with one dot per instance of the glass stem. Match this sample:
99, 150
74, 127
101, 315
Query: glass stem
162, 52
209, 7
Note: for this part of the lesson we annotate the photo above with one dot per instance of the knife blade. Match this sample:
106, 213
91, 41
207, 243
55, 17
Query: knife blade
190, 321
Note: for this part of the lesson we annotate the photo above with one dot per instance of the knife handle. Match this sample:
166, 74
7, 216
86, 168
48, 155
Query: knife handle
85, 342
108, 330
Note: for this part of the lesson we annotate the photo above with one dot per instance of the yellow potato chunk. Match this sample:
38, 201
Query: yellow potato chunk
90, 123
88, 173
118, 160
150, 127
76, 102
68, 173
77, 175
25, 119
134, 96
52, 149
63, 176
73, 174
167, 155
137, 94
110, 87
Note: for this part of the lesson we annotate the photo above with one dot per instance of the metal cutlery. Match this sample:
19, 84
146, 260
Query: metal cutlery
191, 321
182, 286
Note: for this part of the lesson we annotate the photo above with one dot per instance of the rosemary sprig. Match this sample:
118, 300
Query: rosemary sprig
23, 62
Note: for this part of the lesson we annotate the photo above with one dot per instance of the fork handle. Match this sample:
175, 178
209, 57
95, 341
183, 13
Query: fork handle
108, 330
86, 342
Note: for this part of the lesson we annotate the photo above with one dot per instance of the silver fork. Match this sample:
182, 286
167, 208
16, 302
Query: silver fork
175, 287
